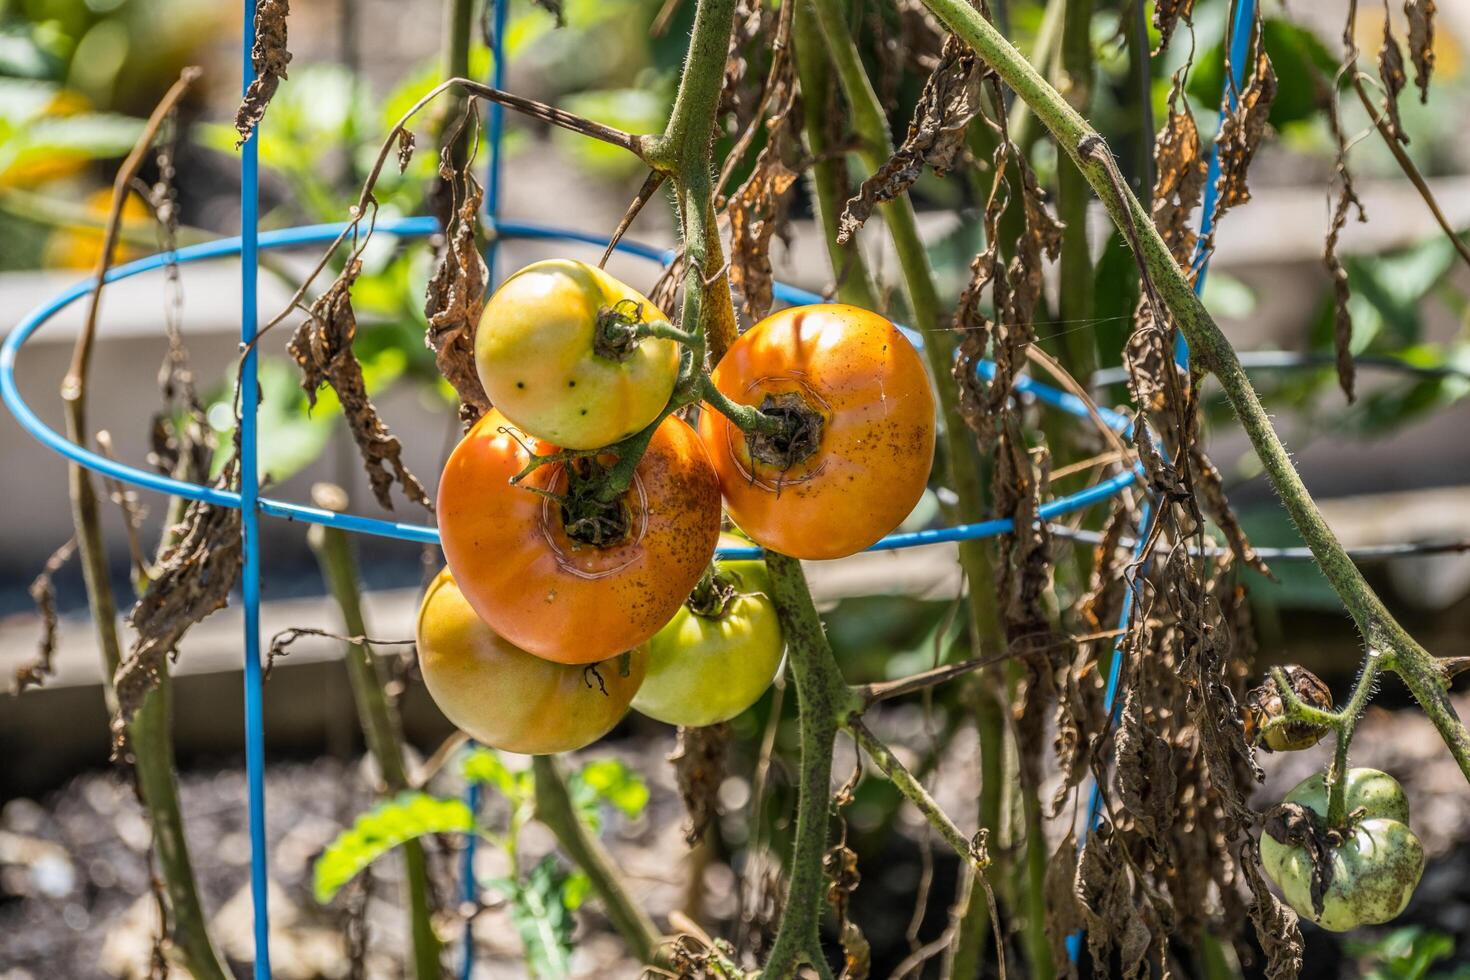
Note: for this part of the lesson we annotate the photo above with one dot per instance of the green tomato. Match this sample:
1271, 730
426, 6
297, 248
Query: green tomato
703, 670
1374, 869
537, 356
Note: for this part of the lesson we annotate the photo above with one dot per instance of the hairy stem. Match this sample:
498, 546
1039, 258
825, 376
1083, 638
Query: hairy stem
554, 809
376, 715
1214, 352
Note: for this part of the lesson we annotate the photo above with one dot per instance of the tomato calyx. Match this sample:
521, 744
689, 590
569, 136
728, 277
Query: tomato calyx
712, 595
1266, 724
588, 518
1295, 825
616, 336
795, 439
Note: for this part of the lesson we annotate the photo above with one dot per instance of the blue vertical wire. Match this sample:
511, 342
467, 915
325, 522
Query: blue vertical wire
250, 517
1241, 27
496, 140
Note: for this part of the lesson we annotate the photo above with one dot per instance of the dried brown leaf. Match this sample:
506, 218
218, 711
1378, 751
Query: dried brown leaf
1342, 319
194, 578
270, 57
757, 209
1104, 893
1391, 71
1063, 918
406, 143
840, 866
1209, 486
1277, 926
1420, 14
322, 347
699, 765
454, 302
936, 136
33, 673
1167, 14
1241, 132
1180, 185
1146, 776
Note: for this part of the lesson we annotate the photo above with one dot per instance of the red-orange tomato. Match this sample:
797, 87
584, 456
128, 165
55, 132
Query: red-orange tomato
867, 384
505, 697
548, 594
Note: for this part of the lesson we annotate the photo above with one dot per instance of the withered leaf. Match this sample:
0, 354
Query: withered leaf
194, 578
406, 143
1391, 70
699, 765
840, 866
454, 301
936, 136
1180, 183
1062, 915
1420, 14
269, 57
1104, 892
1146, 780
1277, 926
322, 347
1167, 14
33, 673
757, 209
1241, 132
1342, 319
1209, 485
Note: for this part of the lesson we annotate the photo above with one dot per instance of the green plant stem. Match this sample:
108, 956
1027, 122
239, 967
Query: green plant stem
459, 19
554, 808
823, 699
749, 419
376, 715
907, 784
1213, 351
149, 731
1078, 347
966, 468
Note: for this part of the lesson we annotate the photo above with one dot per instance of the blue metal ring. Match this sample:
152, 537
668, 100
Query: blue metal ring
425, 534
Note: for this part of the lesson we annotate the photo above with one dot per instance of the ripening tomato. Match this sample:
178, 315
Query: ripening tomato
539, 357
860, 440
1374, 869
719, 653
557, 593
505, 697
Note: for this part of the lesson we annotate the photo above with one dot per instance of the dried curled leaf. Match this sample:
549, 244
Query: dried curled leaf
322, 347
406, 143
1209, 487
455, 298
269, 57
194, 578
1342, 319
840, 865
1241, 133
1391, 70
936, 136
1167, 14
1063, 918
1180, 185
1146, 772
699, 765
1420, 14
1104, 893
33, 673
1277, 925
758, 209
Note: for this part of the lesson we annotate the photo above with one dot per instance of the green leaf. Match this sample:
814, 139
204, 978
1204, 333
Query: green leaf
543, 917
1226, 295
482, 765
407, 816
607, 781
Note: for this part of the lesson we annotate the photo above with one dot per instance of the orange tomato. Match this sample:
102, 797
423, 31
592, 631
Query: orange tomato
505, 697
553, 595
862, 388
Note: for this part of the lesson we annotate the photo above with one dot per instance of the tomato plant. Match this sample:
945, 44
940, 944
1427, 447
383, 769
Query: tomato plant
859, 442
554, 570
719, 653
550, 365
507, 698
1362, 873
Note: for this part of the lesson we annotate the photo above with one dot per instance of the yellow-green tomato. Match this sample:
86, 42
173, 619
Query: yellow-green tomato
541, 362
507, 698
1375, 868
704, 669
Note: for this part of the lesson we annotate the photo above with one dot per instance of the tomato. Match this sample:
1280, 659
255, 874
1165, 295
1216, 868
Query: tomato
708, 666
504, 696
545, 590
1375, 866
1263, 705
860, 455
538, 357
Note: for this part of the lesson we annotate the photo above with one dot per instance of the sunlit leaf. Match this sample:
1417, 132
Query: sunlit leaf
607, 781
405, 817
542, 915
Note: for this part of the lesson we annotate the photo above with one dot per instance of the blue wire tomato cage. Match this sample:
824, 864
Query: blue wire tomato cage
248, 244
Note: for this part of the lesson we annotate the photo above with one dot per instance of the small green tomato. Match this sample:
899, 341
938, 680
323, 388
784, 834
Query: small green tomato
1374, 866
709, 666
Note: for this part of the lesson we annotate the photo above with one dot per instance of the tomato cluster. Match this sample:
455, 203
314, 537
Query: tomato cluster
579, 583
